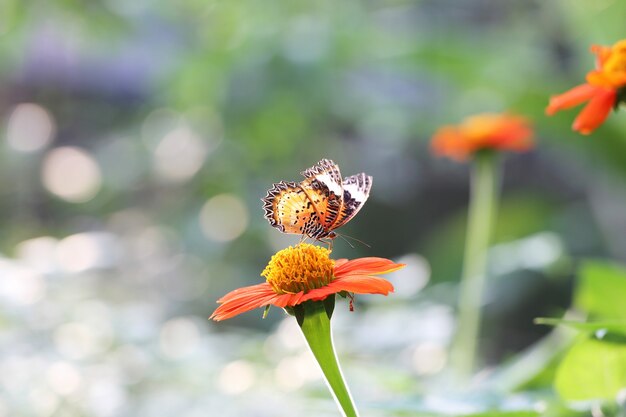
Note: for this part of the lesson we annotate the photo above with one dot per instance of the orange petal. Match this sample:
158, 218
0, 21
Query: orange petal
362, 284
244, 299
367, 266
571, 98
320, 293
448, 141
514, 133
602, 53
595, 112
339, 262
244, 293
290, 300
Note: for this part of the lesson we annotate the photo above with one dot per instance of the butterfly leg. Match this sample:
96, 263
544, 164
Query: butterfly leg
329, 242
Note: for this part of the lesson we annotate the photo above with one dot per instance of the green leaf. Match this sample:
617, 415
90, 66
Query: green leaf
600, 290
610, 326
592, 370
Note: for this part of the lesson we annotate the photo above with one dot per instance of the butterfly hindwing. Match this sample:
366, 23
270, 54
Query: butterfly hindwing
288, 208
356, 190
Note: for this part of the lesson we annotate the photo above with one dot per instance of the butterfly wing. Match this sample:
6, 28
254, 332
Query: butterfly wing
324, 185
356, 190
289, 208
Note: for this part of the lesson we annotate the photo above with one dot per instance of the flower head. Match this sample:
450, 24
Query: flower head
483, 131
306, 272
602, 90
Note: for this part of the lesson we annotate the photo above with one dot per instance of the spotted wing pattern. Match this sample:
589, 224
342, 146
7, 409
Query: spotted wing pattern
289, 208
356, 190
319, 204
325, 178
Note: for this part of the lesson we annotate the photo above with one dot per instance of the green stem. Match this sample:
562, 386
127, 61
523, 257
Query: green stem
314, 320
480, 217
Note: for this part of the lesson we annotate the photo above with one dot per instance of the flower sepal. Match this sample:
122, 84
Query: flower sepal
621, 98
299, 311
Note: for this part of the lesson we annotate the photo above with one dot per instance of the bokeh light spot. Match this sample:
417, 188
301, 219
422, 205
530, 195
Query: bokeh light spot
38, 253
30, 128
179, 338
179, 155
71, 174
429, 358
20, 285
224, 218
63, 378
236, 377
83, 251
293, 372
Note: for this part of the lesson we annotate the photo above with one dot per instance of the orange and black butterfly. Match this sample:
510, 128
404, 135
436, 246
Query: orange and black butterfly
319, 204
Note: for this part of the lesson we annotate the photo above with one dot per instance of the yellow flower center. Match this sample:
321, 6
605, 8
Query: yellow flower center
616, 62
479, 127
299, 268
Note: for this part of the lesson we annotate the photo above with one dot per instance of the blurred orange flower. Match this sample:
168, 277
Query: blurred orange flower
483, 131
601, 91
306, 272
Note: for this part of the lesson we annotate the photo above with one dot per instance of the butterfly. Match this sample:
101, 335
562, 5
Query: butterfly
319, 204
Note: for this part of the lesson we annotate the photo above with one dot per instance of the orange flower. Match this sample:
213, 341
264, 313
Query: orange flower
483, 131
306, 272
601, 91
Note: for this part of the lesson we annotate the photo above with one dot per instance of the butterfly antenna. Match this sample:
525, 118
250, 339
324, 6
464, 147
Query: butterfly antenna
346, 240
346, 237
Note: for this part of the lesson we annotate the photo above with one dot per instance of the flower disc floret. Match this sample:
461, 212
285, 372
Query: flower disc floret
303, 267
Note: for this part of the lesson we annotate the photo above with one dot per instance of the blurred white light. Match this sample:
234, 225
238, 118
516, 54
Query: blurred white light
30, 128
541, 250
429, 358
179, 155
133, 362
63, 378
411, 279
83, 251
290, 335
71, 174
236, 377
224, 218
179, 337
4, 409
44, 402
91, 333
533, 252
38, 253
294, 371
19, 284
78, 340
106, 398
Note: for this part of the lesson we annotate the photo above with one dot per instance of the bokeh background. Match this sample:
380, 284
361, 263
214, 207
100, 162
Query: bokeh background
137, 138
